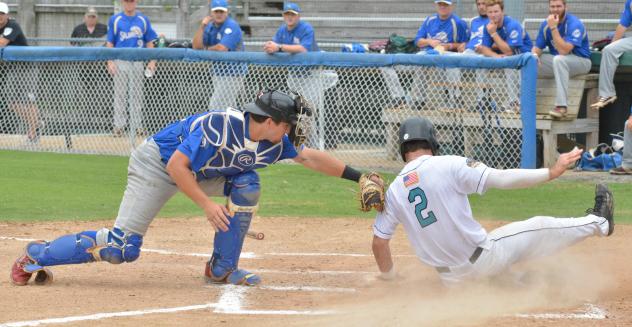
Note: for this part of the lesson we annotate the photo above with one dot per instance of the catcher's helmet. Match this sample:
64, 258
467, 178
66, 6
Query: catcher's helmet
279, 106
418, 129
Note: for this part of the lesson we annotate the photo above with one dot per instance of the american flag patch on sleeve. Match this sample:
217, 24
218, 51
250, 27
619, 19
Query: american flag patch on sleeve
411, 179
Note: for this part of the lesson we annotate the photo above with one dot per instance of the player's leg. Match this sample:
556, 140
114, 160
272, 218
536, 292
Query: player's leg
541, 236
136, 98
243, 191
120, 98
148, 189
609, 62
565, 67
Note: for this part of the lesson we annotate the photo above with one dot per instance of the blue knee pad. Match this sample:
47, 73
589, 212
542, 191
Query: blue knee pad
243, 196
113, 246
117, 246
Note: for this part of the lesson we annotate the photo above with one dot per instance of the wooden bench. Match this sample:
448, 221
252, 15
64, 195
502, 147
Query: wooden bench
579, 87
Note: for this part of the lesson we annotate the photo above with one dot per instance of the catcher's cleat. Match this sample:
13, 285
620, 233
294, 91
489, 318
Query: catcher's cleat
604, 206
242, 277
19, 276
235, 277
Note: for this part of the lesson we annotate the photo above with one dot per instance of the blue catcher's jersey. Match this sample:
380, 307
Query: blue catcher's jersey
572, 30
477, 26
512, 33
302, 34
451, 30
130, 31
217, 144
228, 34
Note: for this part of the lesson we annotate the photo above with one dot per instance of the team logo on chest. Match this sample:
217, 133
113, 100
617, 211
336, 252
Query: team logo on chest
246, 159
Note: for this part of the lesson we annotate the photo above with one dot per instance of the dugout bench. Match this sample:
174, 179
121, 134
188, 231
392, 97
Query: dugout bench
583, 89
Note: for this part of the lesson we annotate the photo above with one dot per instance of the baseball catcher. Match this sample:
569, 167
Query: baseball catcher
215, 153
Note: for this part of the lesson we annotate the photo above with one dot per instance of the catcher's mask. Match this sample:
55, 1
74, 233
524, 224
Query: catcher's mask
291, 108
418, 129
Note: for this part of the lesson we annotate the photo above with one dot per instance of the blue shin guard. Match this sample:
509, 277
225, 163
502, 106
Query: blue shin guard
113, 246
243, 198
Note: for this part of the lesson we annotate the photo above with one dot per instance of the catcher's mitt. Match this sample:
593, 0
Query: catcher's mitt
371, 193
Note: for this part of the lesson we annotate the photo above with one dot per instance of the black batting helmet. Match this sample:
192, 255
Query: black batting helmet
418, 129
280, 106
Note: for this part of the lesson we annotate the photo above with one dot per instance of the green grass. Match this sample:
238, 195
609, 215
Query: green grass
44, 186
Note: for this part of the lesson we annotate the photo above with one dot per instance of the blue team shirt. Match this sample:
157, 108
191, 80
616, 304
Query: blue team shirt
302, 34
626, 15
228, 34
477, 26
572, 31
217, 144
451, 30
512, 33
130, 31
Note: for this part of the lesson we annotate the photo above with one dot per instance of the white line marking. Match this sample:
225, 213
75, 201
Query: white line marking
230, 302
592, 312
309, 289
300, 288
17, 239
99, 316
230, 298
313, 272
244, 255
315, 254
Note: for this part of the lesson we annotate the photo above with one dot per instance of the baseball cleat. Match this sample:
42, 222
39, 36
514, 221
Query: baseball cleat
235, 277
19, 276
604, 205
242, 277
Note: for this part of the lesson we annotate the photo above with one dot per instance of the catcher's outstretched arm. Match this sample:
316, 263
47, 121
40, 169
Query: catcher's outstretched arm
320, 161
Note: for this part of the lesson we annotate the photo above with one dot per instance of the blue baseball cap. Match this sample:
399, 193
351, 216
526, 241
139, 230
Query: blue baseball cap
447, 2
291, 7
219, 5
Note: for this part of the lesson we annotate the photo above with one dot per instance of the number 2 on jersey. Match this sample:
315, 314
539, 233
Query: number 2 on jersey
421, 206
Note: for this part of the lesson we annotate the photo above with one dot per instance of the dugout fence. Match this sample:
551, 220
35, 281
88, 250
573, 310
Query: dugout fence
483, 108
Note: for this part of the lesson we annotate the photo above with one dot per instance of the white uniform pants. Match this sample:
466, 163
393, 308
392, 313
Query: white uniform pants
562, 67
522, 240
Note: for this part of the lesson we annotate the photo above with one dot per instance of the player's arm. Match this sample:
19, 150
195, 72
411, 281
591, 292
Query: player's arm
292, 48
486, 51
198, 37
383, 258
536, 51
619, 32
502, 45
560, 44
179, 169
523, 178
3, 42
320, 161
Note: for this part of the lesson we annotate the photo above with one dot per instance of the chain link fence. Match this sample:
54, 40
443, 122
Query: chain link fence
71, 102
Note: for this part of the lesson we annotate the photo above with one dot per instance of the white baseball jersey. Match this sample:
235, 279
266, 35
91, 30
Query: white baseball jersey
429, 197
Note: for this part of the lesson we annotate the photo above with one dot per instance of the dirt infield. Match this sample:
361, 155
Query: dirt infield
315, 272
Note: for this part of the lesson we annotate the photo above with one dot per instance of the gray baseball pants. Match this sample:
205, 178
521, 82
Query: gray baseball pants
149, 187
609, 62
563, 67
627, 147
